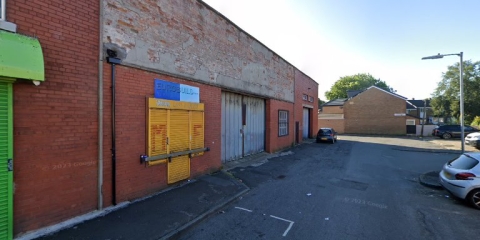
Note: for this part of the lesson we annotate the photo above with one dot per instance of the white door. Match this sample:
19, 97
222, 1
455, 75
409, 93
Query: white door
306, 122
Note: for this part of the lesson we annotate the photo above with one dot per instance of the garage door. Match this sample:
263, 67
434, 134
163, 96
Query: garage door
306, 122
243, 126
6, 155
254, 130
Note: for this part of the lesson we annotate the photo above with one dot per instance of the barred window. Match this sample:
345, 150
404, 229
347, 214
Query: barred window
282, 123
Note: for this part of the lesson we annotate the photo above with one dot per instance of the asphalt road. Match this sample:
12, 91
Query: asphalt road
357, 188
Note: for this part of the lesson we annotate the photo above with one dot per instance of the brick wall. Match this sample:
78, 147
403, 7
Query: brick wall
189, 39
372, 112
55, 124
135, 180
337, 124
305, 85
332, 110
275, 143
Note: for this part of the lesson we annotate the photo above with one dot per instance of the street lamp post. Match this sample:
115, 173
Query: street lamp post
461, 90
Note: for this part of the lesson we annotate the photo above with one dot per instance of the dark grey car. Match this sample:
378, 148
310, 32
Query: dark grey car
452, 131
326, 135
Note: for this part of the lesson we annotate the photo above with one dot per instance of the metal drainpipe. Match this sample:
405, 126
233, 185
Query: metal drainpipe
114, 61
114, 151
100, 111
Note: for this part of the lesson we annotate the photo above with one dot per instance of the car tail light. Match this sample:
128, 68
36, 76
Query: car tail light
464, 176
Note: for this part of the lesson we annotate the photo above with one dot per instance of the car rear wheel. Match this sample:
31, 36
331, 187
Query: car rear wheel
474, 198
447, 136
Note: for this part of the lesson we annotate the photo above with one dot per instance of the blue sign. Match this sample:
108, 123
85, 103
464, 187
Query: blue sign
176, 91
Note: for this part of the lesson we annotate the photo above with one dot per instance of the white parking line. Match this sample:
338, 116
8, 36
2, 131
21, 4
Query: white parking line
244, 209
289, 226
279, 218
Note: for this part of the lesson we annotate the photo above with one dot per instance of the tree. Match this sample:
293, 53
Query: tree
355, 82
446, 97
320, 102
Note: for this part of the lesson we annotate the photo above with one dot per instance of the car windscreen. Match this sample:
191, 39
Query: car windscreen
325, 132
463, 162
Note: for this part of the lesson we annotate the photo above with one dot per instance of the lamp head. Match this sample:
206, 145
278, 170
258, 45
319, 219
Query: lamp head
433, 57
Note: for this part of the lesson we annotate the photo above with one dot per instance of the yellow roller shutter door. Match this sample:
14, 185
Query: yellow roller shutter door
157, 140
179, 167
174, 129
197, 131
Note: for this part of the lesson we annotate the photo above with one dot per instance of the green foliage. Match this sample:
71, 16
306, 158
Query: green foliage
320, 102
476, 122
446, 97
355, 82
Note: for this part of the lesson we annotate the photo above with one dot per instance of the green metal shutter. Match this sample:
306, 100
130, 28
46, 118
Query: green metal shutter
6, 155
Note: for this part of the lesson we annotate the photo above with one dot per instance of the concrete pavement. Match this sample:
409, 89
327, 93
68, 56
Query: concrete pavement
161, 216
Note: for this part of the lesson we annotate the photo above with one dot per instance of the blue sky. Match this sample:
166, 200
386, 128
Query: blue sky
329, 39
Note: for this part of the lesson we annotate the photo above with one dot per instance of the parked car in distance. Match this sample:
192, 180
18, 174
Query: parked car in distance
461, 177
326, 135
473, 139
452, 131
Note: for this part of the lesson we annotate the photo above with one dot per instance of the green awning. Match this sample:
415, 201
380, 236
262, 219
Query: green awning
21, 57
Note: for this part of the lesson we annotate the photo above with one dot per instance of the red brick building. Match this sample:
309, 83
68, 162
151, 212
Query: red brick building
373, 111
76, 152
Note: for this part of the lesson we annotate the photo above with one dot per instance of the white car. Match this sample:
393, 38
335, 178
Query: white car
473, 139
461, 177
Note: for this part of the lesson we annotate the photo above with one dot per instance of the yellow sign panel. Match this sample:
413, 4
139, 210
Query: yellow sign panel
169, 104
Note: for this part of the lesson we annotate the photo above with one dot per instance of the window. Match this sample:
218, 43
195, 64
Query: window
305, 97
282, 123
464, 162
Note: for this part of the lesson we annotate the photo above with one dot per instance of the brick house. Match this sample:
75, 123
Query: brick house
79, 134
332, 115
372, 111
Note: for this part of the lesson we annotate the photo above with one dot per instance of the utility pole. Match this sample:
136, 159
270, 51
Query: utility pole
424, 114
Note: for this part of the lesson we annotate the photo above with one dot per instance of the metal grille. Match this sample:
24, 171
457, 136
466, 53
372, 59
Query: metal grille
282, 123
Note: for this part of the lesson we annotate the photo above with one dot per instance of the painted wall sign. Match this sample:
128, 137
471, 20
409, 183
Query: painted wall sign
176, 91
